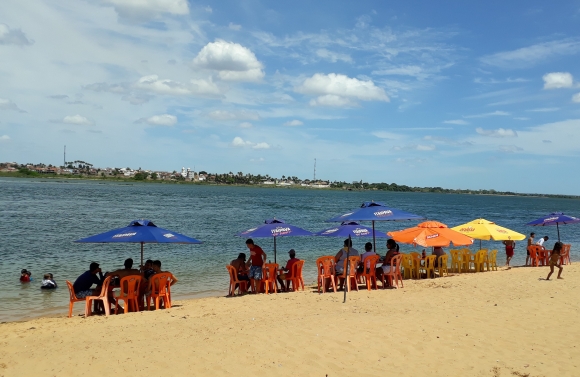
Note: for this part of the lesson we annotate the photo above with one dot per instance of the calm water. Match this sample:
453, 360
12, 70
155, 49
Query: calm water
39, 220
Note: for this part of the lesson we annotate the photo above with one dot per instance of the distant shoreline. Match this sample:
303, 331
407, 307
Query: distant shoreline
198, 183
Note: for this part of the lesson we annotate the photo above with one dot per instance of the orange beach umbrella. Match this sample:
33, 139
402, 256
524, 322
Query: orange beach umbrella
431, 234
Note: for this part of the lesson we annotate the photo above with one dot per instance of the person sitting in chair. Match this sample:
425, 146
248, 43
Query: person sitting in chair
288, 270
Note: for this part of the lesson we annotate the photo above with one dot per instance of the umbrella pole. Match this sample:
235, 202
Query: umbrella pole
141, 253
347, 265
275, 250
558, 228
374, 240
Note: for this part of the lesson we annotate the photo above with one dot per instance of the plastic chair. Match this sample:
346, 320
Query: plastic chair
429, 266
235, 283
158, 284
478, 260
369, 271
455, 260
492, 260
465, 259
129, 293
442, 265
407, 264
534, 259
394, 273
73, 298
295, 276
103, 296
269, 273
326, 270
416, 264
353, 263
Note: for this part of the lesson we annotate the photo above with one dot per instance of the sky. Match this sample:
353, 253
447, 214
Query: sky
453, 94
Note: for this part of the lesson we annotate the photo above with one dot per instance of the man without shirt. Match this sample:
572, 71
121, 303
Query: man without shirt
257, 260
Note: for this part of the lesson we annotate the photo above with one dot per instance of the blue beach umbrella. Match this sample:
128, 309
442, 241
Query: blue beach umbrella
274, 228
555, 218
349, 228
140, 231
375, 211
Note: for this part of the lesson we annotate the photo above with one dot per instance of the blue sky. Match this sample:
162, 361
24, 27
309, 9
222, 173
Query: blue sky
450, 94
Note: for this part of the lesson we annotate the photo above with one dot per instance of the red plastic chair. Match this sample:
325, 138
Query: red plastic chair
353, 262
235, 283
395, 272
129, 293
295, 276
269, 273
369, 273
326, 270
158, 284
103, 296
73, 298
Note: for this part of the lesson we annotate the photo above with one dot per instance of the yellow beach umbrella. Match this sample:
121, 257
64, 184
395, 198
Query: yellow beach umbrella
483, 229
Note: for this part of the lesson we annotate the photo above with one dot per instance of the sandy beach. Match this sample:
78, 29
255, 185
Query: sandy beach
504, 323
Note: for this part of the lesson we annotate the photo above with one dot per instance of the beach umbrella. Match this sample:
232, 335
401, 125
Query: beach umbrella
274, 228
375, 211
555, 218
431, 234
140, 231
349, 228
482, 229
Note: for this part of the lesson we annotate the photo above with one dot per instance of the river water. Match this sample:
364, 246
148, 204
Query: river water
40, 219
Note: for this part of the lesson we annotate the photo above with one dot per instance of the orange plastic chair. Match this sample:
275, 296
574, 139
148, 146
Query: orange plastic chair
565, 254
416, 264
158, 284
534, 260
369, 273
129, 293
543, 255
326, 270
394, 273
455, 260
353, 263
103, 296
240, 285
429, 266
269, 273
442, 265
73, 298
295, 276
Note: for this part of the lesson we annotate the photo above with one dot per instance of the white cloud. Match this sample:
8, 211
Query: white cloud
332, 100
235, 27
485, 115
261, 146
386, 135
294, 123
521, 118
199, 87
333, 56
77, 119
13, 36
509, 148
500, 132
340, 86
161, 120
246, 125
224, 115
143, 9
110, 88
417, 147
576, 98
527, 56
208, 9
544, 109
4, 138
6, 104
233, 61
448, 141
459, 122
556, 80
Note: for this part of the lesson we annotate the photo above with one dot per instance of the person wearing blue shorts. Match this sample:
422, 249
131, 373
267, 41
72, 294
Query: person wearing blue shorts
257, 260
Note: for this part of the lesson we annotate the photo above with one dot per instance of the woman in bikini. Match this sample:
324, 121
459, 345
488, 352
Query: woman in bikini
555, 260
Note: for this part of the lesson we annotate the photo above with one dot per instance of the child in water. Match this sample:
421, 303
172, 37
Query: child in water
25, 276
48, 282
555, 260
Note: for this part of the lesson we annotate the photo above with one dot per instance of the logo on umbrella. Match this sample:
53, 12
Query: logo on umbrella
430, 236
500, 230
347, 214
168, 235
280, 231
550, 219
467, 229
360, 232
124, 235
387, 212
329, 231
249, 231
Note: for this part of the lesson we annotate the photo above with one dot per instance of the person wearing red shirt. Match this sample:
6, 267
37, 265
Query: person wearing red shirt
288, 269
257, 260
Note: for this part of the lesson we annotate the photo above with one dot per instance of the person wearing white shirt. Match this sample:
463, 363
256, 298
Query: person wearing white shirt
541, 241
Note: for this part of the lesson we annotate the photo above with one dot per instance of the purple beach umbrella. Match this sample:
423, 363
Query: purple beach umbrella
555, 218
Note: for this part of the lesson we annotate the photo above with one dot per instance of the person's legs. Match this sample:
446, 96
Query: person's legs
282, 287
560, 272
551, 272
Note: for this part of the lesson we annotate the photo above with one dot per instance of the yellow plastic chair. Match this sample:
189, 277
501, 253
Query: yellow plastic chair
478, 260
465, 260
455, 260
492, 260
442, 265
429, 266
407, 264
416, 264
